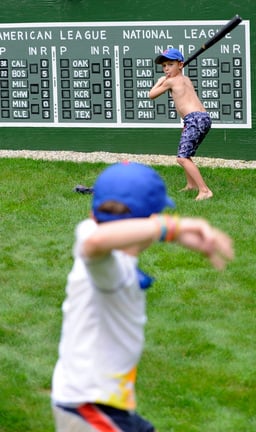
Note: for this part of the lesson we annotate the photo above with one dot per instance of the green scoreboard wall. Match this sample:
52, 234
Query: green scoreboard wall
75, 75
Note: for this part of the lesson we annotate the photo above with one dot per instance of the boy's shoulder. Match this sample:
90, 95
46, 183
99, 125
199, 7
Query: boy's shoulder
177, 79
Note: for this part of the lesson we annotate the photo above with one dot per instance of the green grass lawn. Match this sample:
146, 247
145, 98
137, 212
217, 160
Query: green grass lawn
197, 373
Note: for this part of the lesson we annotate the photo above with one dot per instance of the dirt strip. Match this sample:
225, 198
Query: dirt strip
106, 157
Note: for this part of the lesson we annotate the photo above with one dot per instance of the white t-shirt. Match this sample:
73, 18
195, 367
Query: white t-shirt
103, 329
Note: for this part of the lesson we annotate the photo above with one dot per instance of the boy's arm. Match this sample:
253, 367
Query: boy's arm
193, 233
161, 86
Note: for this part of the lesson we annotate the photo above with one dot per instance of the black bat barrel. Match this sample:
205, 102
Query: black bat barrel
219, 35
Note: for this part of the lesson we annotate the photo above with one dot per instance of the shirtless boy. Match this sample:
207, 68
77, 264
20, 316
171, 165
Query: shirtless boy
197, 122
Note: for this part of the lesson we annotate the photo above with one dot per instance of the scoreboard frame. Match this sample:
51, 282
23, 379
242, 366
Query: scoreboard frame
98, 74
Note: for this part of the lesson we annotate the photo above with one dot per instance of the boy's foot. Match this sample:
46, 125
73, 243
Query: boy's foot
188, 188
204, 195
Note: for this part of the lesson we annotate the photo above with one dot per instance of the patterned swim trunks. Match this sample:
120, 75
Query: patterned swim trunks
196, 126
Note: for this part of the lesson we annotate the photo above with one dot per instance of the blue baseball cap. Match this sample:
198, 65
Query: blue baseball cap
169, 54
137, 186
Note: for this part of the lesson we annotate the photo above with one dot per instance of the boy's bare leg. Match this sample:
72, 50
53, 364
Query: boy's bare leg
194, 179
191, 185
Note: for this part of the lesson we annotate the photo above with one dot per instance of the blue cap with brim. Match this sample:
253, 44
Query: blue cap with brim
137, 186
169, 54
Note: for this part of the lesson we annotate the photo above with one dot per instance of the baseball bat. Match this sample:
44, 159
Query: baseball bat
219, 35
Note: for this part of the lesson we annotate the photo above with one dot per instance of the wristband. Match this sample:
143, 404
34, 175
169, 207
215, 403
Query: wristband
169, 227
162, 225
173, 227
